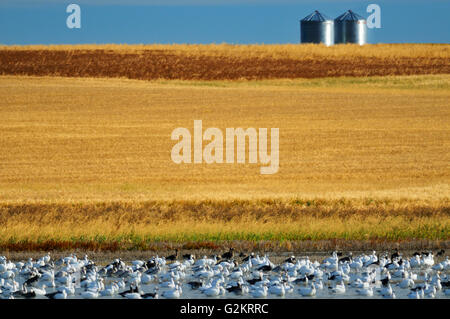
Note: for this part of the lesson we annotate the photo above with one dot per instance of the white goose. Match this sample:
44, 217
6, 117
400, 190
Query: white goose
356, 264
205, 273
111, 290
365, 290
168, 284
307, 291
70, 290
414, 295
133, 295
441, 266
39, 291
428, 260
214, 290
386, 291
318, 284
236, 274
339, 288
259, 292
278, 290
59, 295
173, 293
89, 294
406, 283
147, 279
415, 261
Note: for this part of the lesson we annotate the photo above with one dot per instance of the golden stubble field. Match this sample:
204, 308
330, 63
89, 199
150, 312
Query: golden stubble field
370, 154
108, 139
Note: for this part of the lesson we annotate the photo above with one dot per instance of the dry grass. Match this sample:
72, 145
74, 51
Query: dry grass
120, 225
219, 62
360, 159
276, 51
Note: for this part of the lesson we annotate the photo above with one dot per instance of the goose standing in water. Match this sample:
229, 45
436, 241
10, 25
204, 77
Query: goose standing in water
151, 295
259, 292
111, 290
406, 283
70, 290
168, 284
386, 291
307, 291
133, 295
132, 289
215, 290
256, 277
365, 290
25, 293
318, 284
427, 259
57, 295
339, 288
40, 291
414, 295
239, 288
173, 293
278, 289
89, 294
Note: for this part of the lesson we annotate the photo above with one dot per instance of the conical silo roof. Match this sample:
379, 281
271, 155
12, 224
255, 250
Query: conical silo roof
316, 16
349, 16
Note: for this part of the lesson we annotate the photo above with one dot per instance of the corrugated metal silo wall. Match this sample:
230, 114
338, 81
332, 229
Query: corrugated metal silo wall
317, 32
350, 32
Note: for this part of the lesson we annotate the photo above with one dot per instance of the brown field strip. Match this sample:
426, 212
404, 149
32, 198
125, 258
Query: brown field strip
225, 62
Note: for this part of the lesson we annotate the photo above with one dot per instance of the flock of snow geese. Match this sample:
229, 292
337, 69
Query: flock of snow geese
229, 275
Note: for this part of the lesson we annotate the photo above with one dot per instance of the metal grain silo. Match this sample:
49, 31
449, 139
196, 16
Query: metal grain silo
350, 27
316, 28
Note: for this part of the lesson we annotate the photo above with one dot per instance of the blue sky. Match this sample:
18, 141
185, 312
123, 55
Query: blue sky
213, 21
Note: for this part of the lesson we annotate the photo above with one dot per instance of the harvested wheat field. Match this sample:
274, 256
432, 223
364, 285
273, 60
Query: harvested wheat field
66, 139
85, 147
86, 162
